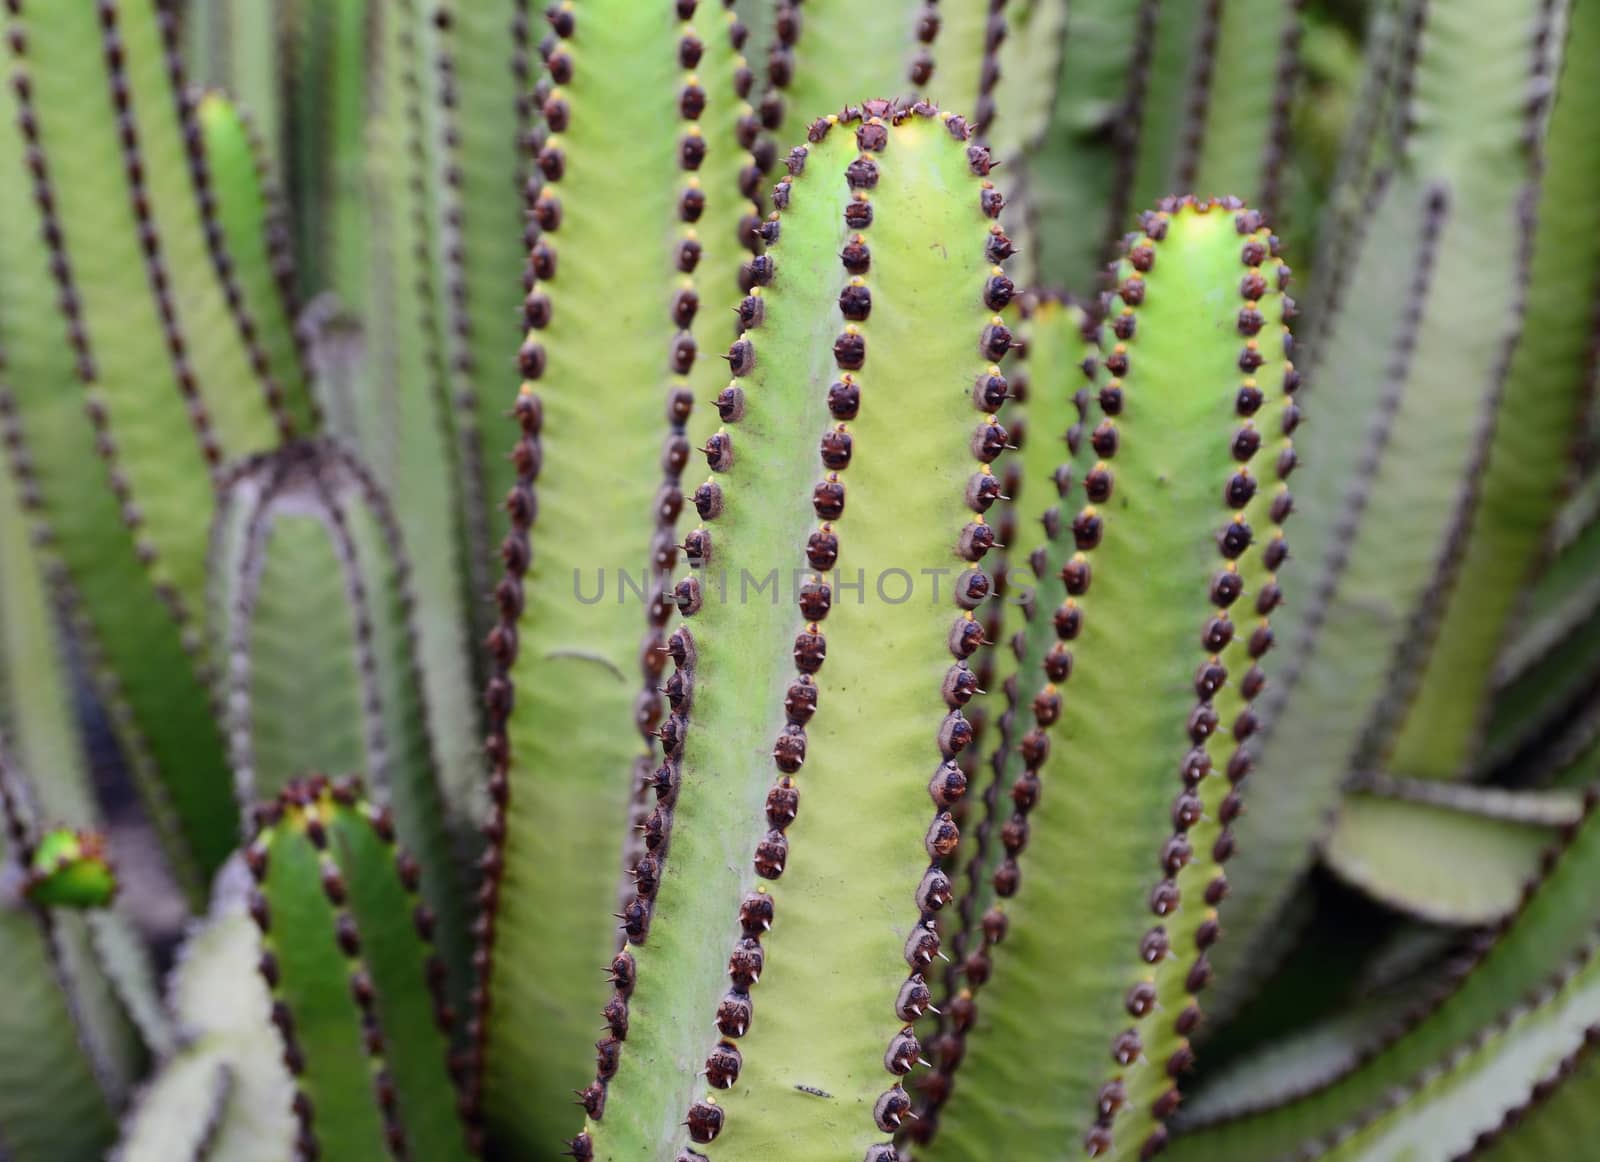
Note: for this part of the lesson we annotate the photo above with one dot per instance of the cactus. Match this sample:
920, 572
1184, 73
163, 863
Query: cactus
353, 408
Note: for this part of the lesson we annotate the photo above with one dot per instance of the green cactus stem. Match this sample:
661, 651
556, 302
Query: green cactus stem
1418, 358
1111, 863
327, 78
315, 617
873, 321
638, 221
358, 998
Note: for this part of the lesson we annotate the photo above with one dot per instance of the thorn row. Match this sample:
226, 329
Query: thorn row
948, 785
1226, 586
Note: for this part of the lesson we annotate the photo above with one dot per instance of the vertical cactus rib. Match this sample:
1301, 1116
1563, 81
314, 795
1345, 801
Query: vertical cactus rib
1027, 64
1061, 341
1403, 445
114, 545
1195, 386
593, 437
358, 1000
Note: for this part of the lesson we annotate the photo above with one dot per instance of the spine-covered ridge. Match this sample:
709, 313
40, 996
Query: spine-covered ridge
1151, 999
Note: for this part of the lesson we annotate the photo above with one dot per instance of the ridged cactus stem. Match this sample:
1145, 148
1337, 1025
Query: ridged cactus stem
1196, 388
882, 283
359, 1000
645, 137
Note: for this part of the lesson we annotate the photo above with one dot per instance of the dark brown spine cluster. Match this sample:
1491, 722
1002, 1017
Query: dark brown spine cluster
994, 35
69, 301
948, 784
184, 101
972, 965
1226, 587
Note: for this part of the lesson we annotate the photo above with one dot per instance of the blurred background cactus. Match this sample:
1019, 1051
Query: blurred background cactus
677, 579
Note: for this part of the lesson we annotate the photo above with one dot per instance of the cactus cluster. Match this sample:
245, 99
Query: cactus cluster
679, 580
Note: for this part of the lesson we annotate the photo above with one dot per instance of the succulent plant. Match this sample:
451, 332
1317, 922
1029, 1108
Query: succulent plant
733, 562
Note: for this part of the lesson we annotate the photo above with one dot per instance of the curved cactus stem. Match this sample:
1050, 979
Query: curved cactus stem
358, 1002
813, 562
315, 617
828, 54
94, 403
1491, 989
255, 243
1417, 360
1151, 673
1442, 865
638, 221
37, 712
